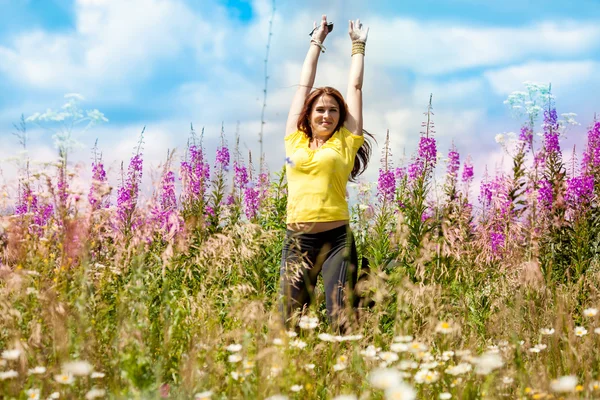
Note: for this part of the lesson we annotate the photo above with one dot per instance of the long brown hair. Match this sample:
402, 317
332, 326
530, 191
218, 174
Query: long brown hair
364, 153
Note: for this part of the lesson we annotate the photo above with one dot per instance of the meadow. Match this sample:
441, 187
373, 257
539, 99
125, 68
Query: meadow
486, 292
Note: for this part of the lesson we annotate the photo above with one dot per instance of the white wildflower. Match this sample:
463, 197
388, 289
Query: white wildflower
444, 328
95, 393
309, 366
277, 397
388, 356
416, 347
403, 339
234, 358
64, 378
402, 391
564, 384
547, 331
459, 369
11, 354
291, 334
580, 331
507, 380
277, 341
206, 395
445, 396
339, 367
399, 347
407, 364
488, 362
426, 376
597, 331
326, 337
33, 394
298, 344
349, 338
78, 368
8, 374
499, 138
370, 353
384, 378
37, 370
296, 388
345, 397
308, 323
233, 348
590, 312
97, 375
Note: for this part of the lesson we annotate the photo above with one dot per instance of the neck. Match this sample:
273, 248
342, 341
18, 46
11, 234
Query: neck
321, 136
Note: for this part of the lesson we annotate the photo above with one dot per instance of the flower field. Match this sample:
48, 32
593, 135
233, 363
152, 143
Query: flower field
465, 292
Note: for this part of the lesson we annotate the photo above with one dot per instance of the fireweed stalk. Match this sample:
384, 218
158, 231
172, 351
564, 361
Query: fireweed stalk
414, 214
195, 176
251, 194
380, 251
218, 192
128, 193
98, 196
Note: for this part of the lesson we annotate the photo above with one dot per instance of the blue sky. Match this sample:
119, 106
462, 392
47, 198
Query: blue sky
165, 64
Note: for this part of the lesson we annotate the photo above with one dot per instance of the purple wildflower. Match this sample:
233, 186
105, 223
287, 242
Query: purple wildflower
453, 163
427, 151
526, 136
415, 170
96, 197
28, 202
386, 185
399, 173
497, 241
485, 194
551, 144
580, 190
467, 174
194, 174
251, 201
591, 156
545, 194
241, 175
168, 201
222, 158
127, 194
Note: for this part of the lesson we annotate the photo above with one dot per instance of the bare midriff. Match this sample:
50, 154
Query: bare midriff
315, 227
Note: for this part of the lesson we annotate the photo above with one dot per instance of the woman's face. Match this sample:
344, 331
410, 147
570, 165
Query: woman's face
325, 115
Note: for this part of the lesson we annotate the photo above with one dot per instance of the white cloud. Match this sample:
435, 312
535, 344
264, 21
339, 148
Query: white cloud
561, 74
113, 42
438, 47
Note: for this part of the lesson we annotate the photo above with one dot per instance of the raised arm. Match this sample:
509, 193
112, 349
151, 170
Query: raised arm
307, 76
354, 119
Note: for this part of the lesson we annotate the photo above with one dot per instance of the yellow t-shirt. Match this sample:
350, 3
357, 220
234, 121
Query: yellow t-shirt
317, 178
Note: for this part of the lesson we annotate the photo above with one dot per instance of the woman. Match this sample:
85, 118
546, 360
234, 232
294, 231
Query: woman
325, 147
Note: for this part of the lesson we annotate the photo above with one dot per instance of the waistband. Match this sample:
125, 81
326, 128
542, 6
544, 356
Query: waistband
341, 230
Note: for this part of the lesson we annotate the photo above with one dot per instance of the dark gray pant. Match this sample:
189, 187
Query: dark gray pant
304, 257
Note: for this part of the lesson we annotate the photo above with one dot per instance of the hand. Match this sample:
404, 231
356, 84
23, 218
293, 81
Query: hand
356, 31
320, 32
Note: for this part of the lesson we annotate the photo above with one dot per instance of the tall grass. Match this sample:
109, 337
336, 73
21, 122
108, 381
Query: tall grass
102, 294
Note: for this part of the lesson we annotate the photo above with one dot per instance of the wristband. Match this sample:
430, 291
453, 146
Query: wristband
318, 43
